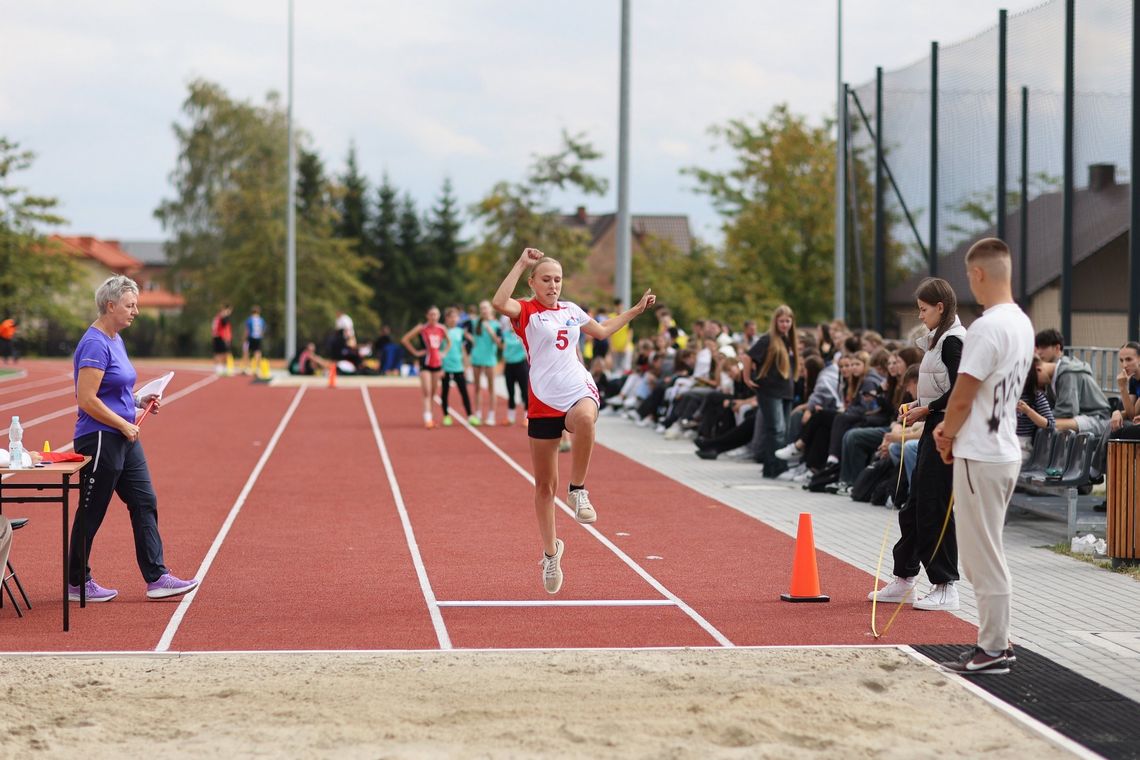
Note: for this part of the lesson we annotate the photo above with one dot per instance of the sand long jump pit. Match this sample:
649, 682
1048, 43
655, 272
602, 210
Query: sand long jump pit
877, 702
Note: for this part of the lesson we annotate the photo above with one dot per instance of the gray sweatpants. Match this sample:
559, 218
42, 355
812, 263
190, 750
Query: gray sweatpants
982, 491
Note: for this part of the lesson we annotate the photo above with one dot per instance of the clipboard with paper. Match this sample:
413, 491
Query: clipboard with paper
154, 388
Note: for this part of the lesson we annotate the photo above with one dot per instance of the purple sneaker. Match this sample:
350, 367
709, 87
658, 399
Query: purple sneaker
168, 585
95, 592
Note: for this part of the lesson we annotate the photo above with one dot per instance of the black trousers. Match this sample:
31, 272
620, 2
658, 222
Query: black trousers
921, 518
445, 391
516, 374
119, 467
740, 435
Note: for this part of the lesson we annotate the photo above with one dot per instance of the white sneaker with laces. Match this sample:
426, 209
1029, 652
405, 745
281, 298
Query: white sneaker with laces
552, 568
789, 453
898, 590
583, 510
944, 596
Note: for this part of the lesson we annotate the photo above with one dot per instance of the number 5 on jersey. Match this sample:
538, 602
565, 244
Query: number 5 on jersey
562, 340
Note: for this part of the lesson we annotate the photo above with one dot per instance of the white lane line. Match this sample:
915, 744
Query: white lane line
696, 616
562, 603
417, 560
1047, 732
71, 410
184, 605
5, 389
451, 653
38, 397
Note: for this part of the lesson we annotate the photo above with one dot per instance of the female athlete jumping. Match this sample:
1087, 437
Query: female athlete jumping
562, 392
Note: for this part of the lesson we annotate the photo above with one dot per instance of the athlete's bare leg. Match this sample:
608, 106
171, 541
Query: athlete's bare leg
580, 422
544, 457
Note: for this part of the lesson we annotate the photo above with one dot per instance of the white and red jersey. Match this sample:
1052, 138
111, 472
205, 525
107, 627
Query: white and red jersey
558, 379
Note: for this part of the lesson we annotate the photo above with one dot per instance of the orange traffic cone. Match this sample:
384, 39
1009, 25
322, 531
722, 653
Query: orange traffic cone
805, 574
332, 374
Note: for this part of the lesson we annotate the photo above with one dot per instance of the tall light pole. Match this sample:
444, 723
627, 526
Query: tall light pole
840, 171
622, 266
290, 222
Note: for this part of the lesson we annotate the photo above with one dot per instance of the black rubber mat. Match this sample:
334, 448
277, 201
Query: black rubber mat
1092, 715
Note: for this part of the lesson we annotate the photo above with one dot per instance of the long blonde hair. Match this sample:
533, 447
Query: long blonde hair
777, 350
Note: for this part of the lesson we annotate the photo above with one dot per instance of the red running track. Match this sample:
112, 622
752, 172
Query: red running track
323, 544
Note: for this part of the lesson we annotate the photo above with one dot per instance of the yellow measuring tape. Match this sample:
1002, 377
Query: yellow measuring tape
886, 532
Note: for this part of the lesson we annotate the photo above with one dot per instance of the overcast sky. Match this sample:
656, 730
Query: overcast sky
469, 89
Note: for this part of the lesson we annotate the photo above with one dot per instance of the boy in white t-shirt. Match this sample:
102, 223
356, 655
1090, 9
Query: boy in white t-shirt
979, 434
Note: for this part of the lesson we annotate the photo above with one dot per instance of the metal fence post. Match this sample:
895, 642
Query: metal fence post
880, 216
933, 234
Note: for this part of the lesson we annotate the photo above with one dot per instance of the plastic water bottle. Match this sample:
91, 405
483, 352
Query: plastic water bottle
16, 445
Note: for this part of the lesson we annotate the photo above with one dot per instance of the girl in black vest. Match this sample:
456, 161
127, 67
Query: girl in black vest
922, 517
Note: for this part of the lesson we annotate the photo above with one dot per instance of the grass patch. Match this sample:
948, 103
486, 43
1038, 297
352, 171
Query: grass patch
1065, 549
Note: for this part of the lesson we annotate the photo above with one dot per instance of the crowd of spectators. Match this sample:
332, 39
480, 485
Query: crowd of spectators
820, 405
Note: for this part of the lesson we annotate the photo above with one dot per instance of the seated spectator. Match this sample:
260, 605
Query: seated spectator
748, 335
1033, 411
861, 442
825, 395
820, 442
871, 341
308, 363
1128, 383
1049, 346
1080, 403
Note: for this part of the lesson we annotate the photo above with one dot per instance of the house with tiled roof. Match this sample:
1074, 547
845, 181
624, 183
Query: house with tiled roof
1100, 263
102, 258
595, 283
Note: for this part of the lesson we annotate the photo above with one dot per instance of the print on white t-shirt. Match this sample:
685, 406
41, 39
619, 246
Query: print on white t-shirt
998, 350
558, 380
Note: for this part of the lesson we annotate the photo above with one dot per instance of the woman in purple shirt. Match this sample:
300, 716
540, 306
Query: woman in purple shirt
107, 432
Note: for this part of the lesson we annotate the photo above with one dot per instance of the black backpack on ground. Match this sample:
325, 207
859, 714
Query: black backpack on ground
879, 471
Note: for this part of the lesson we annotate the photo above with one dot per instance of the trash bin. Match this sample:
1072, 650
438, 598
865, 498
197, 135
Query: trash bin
1123, 494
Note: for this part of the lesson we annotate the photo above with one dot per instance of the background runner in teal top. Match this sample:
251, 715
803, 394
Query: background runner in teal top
453, 359
485, 352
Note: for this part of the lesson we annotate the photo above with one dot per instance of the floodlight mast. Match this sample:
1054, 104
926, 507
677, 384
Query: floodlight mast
622, 263
290, 221
840, 171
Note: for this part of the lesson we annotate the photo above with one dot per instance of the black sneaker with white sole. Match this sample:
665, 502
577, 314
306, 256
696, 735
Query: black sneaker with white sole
976, 662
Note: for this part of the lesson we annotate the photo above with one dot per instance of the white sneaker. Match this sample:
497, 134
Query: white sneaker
803, 475
742, 454
583, 510
789, 453
673, 432
898, 590
510, 416
552, 568
790, 474
490, 419
944, 596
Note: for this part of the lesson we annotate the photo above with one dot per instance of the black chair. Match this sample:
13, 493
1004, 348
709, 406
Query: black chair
1058, 459
9, 574
1080, 460
1043, 443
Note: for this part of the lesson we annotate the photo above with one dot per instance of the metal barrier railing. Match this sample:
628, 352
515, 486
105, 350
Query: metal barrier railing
1104, 363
